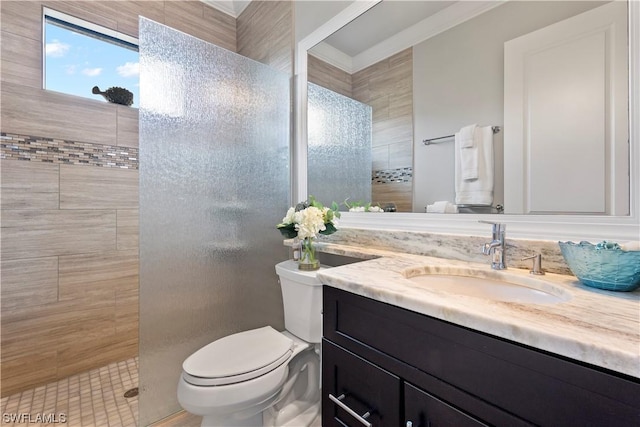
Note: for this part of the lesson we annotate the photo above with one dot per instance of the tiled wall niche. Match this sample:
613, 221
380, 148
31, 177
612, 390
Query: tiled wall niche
387, 87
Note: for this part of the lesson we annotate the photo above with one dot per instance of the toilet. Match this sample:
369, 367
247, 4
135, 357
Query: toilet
262, 377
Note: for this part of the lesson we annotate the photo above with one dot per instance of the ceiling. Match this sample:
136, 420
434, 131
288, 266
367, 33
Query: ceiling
230, 7
384, 20
388, 28
392, 26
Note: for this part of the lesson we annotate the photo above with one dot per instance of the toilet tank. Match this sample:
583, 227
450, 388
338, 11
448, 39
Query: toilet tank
302, 301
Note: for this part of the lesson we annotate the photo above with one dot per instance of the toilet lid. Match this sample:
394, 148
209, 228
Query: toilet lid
238, 357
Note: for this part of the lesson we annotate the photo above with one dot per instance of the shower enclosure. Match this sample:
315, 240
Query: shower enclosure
214, 182
339, 147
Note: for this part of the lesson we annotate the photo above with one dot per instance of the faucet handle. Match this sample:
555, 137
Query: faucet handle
537, 264
497, 226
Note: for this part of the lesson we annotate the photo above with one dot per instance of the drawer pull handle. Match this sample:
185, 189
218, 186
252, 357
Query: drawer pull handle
362, 418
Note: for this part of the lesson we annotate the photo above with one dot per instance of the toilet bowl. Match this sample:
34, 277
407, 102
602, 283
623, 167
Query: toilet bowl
262, 377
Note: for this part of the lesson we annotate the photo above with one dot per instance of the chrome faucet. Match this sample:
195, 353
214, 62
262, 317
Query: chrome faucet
496, 248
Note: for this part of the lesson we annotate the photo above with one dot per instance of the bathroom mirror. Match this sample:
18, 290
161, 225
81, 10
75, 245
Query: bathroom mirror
536, 225
431, 88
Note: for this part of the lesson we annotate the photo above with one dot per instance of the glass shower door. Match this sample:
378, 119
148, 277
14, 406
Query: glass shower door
214, 182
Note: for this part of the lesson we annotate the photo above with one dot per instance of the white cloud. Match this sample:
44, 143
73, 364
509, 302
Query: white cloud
57, 49
92, 72
129, 69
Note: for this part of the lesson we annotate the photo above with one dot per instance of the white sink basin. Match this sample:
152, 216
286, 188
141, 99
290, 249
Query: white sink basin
493, 285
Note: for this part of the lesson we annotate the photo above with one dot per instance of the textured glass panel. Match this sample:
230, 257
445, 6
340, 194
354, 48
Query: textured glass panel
339, 156
214, 182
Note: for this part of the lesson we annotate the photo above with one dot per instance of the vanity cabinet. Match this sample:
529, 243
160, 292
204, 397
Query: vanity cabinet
403, 367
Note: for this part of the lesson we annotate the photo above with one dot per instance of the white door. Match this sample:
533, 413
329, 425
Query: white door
566, 116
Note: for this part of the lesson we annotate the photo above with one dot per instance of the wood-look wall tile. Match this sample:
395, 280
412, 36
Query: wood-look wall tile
127, 126
36, 234
29, 282
31, 329
79, 357
330, 77
402, 59
21, 50
380, 107
90, 276
265, 33
25, 372
22, 18
27, 185
188, 16
222, 28
98, 188
103, 13
393, 131
380, 157
401, 105
127, 222
12, 72
57, 115
181, 419
401, 155
21, 60
128, 12
127, 311
280, 37
399, 193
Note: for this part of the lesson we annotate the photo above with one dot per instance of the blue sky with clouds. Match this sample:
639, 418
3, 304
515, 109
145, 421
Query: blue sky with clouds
76, 63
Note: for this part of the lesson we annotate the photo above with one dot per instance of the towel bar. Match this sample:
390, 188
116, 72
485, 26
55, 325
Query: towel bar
430, 141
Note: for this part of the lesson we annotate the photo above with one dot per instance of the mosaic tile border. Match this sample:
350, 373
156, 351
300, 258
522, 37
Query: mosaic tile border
62, 151
391, 176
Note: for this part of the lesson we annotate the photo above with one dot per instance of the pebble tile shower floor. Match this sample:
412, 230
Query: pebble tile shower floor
90, 399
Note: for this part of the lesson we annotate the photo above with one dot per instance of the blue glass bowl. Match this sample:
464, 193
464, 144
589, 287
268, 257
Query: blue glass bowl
603, 266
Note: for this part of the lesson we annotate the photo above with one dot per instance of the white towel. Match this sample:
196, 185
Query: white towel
467, 148
442, 207
467, 135
478, 191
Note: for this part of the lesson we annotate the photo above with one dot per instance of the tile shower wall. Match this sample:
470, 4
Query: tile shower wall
264, 31
69, 271
387, 87
70, 199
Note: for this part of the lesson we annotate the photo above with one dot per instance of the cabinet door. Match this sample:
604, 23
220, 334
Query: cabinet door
363, 390
424, 410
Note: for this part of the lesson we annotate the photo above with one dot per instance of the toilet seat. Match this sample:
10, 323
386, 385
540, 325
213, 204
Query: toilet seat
237, 358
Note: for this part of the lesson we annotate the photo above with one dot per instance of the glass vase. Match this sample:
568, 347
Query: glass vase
308, 259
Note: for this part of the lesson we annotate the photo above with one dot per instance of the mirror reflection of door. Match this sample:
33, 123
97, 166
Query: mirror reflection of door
566, 122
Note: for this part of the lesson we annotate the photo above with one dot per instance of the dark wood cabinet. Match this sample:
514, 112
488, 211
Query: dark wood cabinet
369, 391
422, 409
402, 366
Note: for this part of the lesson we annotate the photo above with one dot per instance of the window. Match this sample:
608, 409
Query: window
79, 55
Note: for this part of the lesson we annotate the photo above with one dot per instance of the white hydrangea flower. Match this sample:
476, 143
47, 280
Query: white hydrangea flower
357, 209
309, 222
289, 217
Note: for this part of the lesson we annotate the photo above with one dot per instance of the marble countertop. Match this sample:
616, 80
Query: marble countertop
593, 326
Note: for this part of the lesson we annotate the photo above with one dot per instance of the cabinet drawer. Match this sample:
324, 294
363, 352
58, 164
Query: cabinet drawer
532, 385
424, 410
366, 389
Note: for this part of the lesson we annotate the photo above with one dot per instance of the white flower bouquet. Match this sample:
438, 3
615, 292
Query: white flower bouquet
305, 221
361, 207
308, 219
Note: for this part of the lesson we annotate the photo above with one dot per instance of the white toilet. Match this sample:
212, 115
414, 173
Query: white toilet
262, 377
